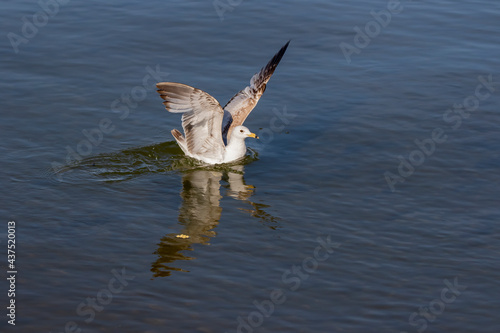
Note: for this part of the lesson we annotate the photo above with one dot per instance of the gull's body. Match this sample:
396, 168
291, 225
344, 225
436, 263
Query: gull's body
214, 134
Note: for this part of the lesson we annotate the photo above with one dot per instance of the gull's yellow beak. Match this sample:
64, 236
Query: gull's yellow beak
252, 135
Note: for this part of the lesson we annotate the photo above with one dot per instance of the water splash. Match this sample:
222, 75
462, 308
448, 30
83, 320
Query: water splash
136, 162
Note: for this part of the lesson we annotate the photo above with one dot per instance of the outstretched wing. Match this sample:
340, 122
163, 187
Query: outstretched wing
240, 106
201, 117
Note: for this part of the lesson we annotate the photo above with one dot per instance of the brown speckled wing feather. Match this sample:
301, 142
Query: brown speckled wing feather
201, 117
240, 106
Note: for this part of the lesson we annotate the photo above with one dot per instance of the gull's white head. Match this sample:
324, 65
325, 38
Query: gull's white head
243, 132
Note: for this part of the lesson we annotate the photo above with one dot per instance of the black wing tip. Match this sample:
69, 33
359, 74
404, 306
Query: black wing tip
283, 49
277, 57
273, 63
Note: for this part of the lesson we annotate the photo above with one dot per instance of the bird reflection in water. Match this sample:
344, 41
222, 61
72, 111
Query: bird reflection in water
200, 213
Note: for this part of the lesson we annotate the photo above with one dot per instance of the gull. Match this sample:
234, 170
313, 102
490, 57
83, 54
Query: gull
214, 134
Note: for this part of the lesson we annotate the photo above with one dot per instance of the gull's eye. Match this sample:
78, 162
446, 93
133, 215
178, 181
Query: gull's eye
241, 131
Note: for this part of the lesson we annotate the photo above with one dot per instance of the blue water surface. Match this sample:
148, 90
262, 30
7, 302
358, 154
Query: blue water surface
370, 203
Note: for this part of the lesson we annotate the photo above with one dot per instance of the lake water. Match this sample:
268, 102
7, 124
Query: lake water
370, 203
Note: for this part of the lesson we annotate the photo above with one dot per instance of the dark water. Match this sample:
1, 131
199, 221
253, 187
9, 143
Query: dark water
370, 204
